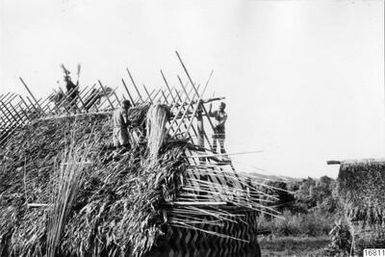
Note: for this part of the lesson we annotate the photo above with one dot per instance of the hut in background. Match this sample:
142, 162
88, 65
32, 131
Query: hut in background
361, 188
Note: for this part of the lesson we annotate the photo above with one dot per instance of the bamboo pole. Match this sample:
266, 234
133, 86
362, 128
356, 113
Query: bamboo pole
22, 110
133, 83
107, 99
128, 93
104, 91
81, 100
192, 84
117, 98
226, 154
148, 94
183, 116
16, 113
29, 91
21, 98
168, 87
208, 80
91, 98
29, 100
177, 113
6, 99
204, 132
187, 127
5, 96
157, 93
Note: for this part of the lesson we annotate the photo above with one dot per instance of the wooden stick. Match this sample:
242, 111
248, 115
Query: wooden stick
225, 154
81, 100
133, 82
128, 93
196, 91
5, 96
14, 119
168, 87
17, 114
187, 127
183, 116
157, 93
22, 110
333, 162
37, 205
29, 91
196, 203
107, 99
204, 132
148, 94
105, 93
208, 80
91, 98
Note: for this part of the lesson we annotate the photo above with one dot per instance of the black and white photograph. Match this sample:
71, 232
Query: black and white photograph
192, 128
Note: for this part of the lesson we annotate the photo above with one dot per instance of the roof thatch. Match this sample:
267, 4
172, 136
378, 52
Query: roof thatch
124, 205
115, 197
361, 186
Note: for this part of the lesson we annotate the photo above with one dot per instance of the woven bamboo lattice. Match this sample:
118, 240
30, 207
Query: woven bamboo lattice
186, 101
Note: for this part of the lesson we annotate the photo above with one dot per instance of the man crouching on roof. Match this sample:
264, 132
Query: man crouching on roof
120, 123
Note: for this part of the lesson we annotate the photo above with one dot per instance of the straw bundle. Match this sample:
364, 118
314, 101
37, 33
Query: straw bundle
65, 189
156, 129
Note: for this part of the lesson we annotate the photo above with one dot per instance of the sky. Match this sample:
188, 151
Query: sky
303, 80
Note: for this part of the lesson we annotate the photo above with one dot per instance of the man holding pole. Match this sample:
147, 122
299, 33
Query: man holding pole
220, 117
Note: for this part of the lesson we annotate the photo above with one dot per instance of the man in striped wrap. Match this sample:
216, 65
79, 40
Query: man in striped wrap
220, 117
120, 125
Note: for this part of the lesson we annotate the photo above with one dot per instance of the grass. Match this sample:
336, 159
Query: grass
293, 246
314, 224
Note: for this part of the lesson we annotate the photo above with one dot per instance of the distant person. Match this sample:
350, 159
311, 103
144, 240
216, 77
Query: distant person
120, 125
220, 117
72, 92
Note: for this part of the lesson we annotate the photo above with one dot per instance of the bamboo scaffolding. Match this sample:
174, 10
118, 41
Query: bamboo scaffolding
204, 132
128, 93
29, 91
174, 102
104, 91
192, 84
133, 83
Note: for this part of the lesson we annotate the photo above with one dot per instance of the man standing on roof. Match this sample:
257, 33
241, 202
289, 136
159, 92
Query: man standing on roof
72, 89
120, 124
220, 117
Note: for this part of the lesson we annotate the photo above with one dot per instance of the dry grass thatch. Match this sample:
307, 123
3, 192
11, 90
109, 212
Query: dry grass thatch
361, 190
120, 207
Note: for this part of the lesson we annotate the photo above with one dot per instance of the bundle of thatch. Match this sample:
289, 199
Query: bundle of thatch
126, 206
361, 189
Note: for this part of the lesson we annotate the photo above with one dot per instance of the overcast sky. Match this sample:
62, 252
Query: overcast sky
303, 80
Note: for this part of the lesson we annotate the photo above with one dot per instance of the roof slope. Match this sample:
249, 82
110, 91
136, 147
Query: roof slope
116, 210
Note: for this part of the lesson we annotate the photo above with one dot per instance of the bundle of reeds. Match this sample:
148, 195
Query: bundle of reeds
156, 129
65, 185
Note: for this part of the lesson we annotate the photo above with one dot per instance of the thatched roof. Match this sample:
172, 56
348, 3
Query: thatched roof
117, 206
124, 206
361, 186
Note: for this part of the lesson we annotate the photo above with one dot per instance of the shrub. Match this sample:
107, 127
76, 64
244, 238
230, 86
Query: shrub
300, 224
